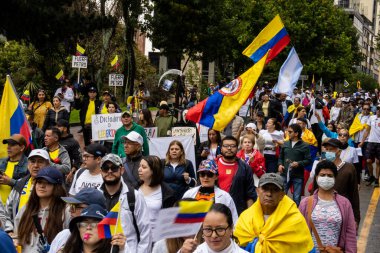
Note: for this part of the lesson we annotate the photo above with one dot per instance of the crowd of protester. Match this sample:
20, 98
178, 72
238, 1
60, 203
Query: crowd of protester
258, 173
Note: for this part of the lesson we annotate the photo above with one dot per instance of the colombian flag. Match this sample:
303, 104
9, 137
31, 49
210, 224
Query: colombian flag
192, 211
115, 62
80, 50
273, 37
60, 75
13, 117
111, 224
220, 108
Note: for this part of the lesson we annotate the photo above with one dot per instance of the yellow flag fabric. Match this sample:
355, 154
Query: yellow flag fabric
309, 138
59, 75
356, 126
80, 49
115, 60
284, 231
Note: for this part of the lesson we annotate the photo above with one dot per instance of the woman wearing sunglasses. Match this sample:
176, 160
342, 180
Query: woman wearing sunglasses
84, 234
217, 231
208, 190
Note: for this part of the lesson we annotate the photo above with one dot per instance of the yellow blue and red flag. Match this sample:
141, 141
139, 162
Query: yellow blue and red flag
111, 224
115, 62
220, 108
25, 95
192, 211
13, 117
80, 50
272, 38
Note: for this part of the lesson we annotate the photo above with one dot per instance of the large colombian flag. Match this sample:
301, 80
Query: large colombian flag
111, 224
273, 37
13, 120
220, 108
192, 211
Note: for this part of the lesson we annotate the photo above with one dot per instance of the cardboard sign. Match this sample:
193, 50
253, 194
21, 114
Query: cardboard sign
79, 62
185, 131
151, 132
115, 79
104, 126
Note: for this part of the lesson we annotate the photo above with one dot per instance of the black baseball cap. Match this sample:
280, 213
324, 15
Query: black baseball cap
62, 123
333, 142
50, 174
96, 150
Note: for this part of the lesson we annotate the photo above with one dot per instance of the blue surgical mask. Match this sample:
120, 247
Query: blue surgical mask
330, 156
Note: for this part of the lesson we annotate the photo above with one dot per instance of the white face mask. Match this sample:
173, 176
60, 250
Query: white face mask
326, 183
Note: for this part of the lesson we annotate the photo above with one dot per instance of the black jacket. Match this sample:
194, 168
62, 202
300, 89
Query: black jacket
131, 173
82, 105
299, 153
53, 116
168, 198
73, 148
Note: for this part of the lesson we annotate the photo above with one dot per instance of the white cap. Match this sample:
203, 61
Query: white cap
251, 125
41, 153
135, 137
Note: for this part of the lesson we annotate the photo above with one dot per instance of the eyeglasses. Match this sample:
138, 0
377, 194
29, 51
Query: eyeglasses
206, 173
113, 168
366, 109
228, 146
92, 225
219, 231
343, 135
75, 207
85, 157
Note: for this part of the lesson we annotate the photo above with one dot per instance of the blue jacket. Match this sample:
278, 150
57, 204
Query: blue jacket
174, 178
333, 135
6, 245
21, 169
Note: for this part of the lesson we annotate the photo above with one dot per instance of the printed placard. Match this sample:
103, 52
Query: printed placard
79, 62
115, 79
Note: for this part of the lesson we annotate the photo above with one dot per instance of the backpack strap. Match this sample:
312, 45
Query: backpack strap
131, 203
315, 232
77, 175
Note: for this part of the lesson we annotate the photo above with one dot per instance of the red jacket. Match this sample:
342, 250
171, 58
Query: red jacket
257, 164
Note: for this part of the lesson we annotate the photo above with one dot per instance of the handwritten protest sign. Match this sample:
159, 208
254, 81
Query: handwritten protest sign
104, 126
185, 131
151, 132
79, 62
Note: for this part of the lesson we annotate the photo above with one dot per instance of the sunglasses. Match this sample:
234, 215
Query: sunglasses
343, 135
113, 168
206, 173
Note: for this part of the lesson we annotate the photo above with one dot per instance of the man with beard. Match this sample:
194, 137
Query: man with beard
134, 212
132, 146
89, 175
235, 176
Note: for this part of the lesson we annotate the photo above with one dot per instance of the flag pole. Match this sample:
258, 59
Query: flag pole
78, 75
195, 237
115, 229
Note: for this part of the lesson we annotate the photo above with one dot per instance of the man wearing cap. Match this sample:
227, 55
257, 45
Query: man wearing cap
164, 121
19, 195
346, 114
132, 147
135, 223
14, 166
127, 127
143, 95
84, 198
89, 175
88, 107
273, 223
346, 182
71, 145
372, 136
58, 154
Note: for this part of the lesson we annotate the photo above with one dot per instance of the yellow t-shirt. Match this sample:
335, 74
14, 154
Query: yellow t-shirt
6, 189
54, 154
90, 112
104, 109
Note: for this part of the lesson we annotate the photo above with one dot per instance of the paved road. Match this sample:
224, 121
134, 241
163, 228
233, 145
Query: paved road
369, 229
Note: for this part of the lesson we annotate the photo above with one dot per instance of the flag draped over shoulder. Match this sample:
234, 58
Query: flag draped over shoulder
111, 224
80, 50
220, 108
273, 37
277, 233
192, 211
356, 126
289, 73
13, 117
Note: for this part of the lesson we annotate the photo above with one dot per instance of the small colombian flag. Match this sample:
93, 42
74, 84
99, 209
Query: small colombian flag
111, 224
25, 95
115, 62
59, 76
80, 50
192, 211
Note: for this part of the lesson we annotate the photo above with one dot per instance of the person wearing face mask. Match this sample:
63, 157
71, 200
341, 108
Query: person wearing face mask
346, 177
328, 214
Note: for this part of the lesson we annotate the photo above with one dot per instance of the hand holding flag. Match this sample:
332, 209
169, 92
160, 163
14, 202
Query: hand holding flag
111, 224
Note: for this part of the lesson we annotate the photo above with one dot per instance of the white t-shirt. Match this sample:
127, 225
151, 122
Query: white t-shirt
349, 155
374, 134
364, 120
269, 137
154, 204
85, 180
68, 97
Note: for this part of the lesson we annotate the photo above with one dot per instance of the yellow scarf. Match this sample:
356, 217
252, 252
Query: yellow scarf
291, 108
309, 138
356, 126
284, 231
25, 194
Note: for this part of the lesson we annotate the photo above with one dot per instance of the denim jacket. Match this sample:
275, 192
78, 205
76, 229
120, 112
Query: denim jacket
21, 169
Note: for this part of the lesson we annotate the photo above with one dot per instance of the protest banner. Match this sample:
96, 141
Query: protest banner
159, 147
203, 132
151, 132
104, 126
185, 131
